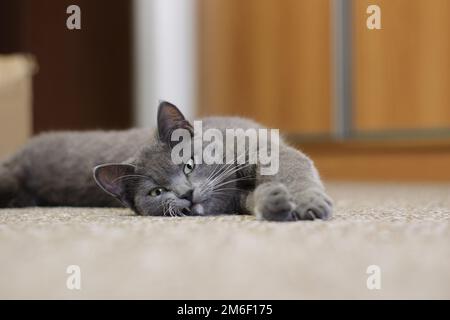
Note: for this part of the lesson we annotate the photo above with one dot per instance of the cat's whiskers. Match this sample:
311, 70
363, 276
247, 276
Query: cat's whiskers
245, 178
159, 206
218, 171
228, 173
225, 174
165, 208
171, 209
224, 186
222, 170
230, 168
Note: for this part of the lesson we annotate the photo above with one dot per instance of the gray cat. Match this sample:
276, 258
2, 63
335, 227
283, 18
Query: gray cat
134, 168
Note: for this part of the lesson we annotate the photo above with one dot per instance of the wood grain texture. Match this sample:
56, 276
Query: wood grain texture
267, 59
402, 72
405, 160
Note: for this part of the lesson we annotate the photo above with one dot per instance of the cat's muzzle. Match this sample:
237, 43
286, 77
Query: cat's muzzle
195, 210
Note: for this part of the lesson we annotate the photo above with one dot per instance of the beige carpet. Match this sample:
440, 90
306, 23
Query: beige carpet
404, 229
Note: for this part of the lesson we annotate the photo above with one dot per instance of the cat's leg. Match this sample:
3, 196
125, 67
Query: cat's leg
294, 193
273, 201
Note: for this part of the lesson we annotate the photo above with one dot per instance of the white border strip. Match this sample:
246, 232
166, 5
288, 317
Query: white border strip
165, 57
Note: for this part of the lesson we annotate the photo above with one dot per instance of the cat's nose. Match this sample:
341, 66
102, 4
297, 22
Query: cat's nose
188, 195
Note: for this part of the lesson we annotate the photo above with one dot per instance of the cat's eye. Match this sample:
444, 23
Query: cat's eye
157, 191
189, 166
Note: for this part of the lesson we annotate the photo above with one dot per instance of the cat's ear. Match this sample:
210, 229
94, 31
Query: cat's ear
170, 118
111, 178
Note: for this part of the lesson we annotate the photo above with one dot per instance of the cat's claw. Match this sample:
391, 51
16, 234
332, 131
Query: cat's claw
313, 204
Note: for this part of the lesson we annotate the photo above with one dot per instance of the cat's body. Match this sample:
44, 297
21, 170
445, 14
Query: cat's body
55, 169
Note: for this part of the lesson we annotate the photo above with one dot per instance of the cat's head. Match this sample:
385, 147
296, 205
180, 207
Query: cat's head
152, 184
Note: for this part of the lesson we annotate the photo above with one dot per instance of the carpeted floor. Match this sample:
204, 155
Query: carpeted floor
403, 229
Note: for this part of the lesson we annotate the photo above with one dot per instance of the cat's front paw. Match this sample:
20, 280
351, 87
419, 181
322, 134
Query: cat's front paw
313, 204
273, 202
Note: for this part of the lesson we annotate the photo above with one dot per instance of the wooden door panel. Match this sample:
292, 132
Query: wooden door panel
401, 73
267, 59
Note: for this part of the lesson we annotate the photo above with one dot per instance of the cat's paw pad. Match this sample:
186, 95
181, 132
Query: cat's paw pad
313, 204
274, 203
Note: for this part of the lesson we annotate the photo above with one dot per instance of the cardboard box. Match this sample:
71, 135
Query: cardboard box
16, 73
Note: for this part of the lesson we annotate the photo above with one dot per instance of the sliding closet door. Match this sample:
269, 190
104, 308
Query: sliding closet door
267, 59
401, 73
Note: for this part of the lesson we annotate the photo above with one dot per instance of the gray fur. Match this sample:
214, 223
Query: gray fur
55, 169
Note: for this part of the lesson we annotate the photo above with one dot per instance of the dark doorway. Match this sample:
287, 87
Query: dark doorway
85, 76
